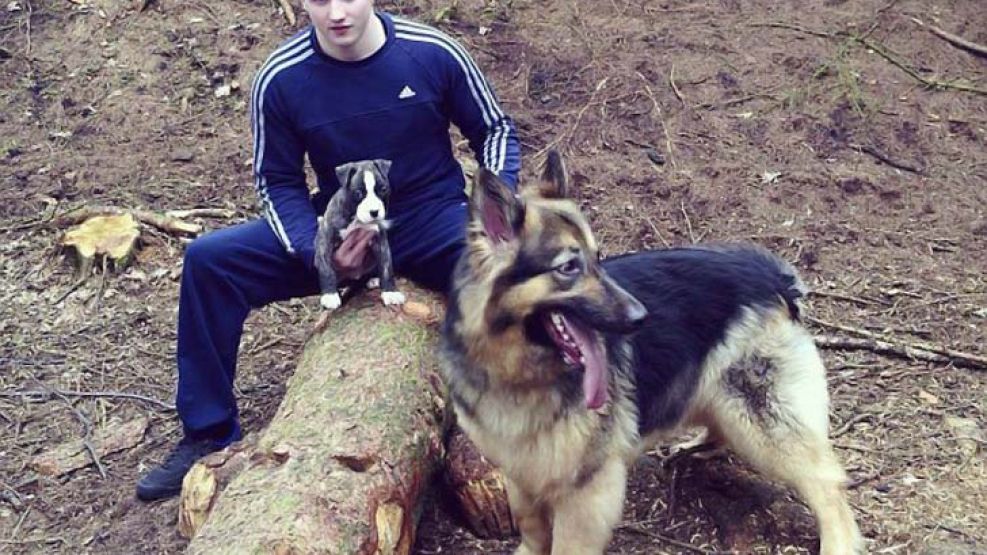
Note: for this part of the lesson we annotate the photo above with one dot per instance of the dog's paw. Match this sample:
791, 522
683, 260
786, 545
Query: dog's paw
373, 283
330, 301
392, 298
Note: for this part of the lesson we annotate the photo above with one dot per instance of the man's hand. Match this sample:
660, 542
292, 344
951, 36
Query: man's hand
353, 258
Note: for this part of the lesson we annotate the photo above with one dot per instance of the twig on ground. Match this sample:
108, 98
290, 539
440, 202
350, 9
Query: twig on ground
842, 297
78, 283
289, 12
850, 423
675, 89
665, 539
267, 345
790, 27
688, 222
932, 83
568, 134
103, 394
30, 14
97, 299
657, 233
661, 118
960, 358
20, 521
87, 433
955, 40
873, 151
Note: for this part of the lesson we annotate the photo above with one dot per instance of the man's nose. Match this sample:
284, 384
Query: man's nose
336, 11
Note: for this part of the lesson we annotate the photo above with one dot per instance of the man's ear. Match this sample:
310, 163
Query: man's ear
554, 182
383, 166
344, 172
495, 209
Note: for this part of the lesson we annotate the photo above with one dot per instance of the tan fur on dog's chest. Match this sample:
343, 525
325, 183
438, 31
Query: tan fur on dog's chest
535, 445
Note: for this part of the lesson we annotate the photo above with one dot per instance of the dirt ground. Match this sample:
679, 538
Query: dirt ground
835, 132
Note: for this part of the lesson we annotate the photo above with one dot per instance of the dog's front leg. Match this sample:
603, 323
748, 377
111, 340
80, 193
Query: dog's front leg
328, 282
388, 289
532, 520
584, 520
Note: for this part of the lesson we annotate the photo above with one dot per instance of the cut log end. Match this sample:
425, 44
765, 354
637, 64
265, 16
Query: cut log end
478, 489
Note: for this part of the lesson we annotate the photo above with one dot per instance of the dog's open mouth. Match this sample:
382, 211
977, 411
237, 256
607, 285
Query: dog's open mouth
579, 346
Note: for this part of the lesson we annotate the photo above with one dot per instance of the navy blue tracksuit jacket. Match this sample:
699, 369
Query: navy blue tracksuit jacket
398, 105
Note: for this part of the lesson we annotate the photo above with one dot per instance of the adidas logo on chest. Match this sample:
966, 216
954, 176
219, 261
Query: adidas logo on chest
406, 93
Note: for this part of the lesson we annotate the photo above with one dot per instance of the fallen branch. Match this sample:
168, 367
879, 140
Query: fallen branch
101, 394
289, 12
880, 51
955, 40
931, 83
225, 213
161, 221
881, 347
873, 151
885, 345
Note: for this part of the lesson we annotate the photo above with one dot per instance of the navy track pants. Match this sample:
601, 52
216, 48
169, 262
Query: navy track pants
230, 271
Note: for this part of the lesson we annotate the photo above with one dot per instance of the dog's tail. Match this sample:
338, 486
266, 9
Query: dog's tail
790, 286
775, 273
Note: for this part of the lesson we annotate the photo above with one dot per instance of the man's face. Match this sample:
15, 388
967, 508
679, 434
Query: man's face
340, 23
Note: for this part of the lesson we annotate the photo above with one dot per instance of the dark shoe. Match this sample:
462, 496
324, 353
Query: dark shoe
166, 480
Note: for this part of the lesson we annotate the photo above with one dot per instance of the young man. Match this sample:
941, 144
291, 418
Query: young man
355, 85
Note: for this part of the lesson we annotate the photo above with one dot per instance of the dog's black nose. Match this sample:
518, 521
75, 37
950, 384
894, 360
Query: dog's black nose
373, 213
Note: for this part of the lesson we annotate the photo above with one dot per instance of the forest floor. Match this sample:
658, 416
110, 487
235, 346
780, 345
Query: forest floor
843, 135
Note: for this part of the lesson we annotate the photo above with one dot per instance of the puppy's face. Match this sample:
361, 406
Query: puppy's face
367, 188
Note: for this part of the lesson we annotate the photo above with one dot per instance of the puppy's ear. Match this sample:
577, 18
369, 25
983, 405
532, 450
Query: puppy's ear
344, 173
554, 182
383, 166
495, 211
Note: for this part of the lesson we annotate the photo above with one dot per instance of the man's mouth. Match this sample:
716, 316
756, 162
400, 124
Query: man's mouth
340, 29
580, 347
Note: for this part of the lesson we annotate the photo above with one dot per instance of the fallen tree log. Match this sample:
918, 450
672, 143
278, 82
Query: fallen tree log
342, 466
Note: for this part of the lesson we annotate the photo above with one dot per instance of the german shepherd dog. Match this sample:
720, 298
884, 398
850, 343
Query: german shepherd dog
563, 368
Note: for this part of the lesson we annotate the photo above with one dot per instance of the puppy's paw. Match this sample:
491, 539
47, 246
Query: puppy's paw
373, 283
392, 298
330, 301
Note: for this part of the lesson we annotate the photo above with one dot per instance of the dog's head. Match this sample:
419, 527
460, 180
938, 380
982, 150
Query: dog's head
367, 188
532, 274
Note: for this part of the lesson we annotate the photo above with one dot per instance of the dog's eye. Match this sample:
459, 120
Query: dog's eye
569, 268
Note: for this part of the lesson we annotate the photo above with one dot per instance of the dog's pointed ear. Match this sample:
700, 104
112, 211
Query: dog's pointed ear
494, 208
383, 166
344, 172
554, 182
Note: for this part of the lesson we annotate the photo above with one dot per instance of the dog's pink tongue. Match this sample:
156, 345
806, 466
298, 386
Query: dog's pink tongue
595, 371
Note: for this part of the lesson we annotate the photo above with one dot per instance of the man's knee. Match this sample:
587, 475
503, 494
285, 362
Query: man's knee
205, 253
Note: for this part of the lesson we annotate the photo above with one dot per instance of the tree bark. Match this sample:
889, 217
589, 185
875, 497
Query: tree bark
342, 465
